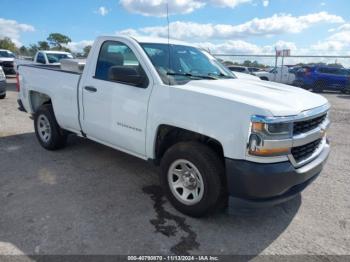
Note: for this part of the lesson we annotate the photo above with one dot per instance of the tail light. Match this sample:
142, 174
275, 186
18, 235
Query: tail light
17, 82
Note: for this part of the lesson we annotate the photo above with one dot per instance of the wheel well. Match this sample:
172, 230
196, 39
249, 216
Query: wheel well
168, 136
38, 99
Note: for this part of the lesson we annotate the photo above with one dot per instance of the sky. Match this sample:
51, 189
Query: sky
222, 26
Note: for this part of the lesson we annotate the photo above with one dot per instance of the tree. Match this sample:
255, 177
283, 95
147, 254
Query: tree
33, 49
57, 41
87, 50
43, 45
23, 50
6, 43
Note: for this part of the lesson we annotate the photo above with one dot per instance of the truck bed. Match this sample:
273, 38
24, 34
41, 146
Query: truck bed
60, 85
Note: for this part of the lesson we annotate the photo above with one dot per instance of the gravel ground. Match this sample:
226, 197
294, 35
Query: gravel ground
90, 199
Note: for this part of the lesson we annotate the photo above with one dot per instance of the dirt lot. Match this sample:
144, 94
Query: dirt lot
90, 199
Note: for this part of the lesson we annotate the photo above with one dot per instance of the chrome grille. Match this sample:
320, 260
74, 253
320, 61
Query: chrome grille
7, 64
303, 152
308, 125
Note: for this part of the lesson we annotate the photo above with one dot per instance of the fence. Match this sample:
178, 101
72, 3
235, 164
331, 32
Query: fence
269, 60
319, 73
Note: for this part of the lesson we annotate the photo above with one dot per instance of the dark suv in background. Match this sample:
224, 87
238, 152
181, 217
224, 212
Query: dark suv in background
320, 78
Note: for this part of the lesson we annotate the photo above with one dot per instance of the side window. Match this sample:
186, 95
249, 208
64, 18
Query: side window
342, 72
326, 70
118, 63
40, 58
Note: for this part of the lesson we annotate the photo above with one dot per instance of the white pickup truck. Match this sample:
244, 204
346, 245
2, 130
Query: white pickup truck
51, 57
215, 137
277, 74
44, 57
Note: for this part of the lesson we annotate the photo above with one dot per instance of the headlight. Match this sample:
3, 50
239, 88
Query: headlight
269, 137
272, 129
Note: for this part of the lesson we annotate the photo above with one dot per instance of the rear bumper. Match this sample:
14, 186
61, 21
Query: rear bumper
256, 184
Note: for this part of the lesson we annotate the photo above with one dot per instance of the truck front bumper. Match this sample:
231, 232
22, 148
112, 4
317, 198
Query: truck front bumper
255, 184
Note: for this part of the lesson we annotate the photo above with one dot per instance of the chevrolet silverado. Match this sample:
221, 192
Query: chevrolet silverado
215, 137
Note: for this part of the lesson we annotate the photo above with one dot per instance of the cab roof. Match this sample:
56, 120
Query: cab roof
153, 40
53, 52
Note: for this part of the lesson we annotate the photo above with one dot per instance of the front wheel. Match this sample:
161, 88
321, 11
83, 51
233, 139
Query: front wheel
319, 86
48, 132
192, 178
2, 96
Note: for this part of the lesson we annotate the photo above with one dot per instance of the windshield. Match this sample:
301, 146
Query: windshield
56, 58
178, 64
7, 54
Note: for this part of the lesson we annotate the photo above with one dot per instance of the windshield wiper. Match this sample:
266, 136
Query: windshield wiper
194, 76
219, 75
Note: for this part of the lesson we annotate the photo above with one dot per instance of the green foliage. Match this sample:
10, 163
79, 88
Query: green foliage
6, 43
23, 51
87, 50
249, 63
246, 63
57, 40
33, 48
43, 45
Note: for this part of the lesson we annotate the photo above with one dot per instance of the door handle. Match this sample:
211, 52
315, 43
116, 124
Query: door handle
90, 89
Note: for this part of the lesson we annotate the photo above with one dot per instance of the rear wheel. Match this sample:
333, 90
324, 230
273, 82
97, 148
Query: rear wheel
299, 83
3, 96
48, 132
264, 78
192, 178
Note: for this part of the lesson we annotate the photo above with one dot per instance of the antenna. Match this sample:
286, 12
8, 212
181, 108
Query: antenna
167, 18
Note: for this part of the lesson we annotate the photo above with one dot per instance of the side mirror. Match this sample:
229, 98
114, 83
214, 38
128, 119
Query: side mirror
127, 75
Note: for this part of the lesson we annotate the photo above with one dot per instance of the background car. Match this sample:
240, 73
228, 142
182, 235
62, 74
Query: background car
320, 78
6, 61
2, 84
51, 57
246, 76
239, 69
253, 70
278, 74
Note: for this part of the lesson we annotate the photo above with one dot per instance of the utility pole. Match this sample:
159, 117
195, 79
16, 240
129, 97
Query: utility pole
276, 57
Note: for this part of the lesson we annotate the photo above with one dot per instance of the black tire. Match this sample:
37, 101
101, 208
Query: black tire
264, 78
319, 86
211, 169
3, 96
58, 136
300, 84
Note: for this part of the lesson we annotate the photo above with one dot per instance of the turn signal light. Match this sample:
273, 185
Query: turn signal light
269, 152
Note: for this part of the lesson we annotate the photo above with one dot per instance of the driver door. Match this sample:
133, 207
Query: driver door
114, 112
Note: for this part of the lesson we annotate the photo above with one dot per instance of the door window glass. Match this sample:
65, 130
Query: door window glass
116, 57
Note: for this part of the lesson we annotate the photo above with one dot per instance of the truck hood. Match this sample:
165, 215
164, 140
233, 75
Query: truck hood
278, 99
